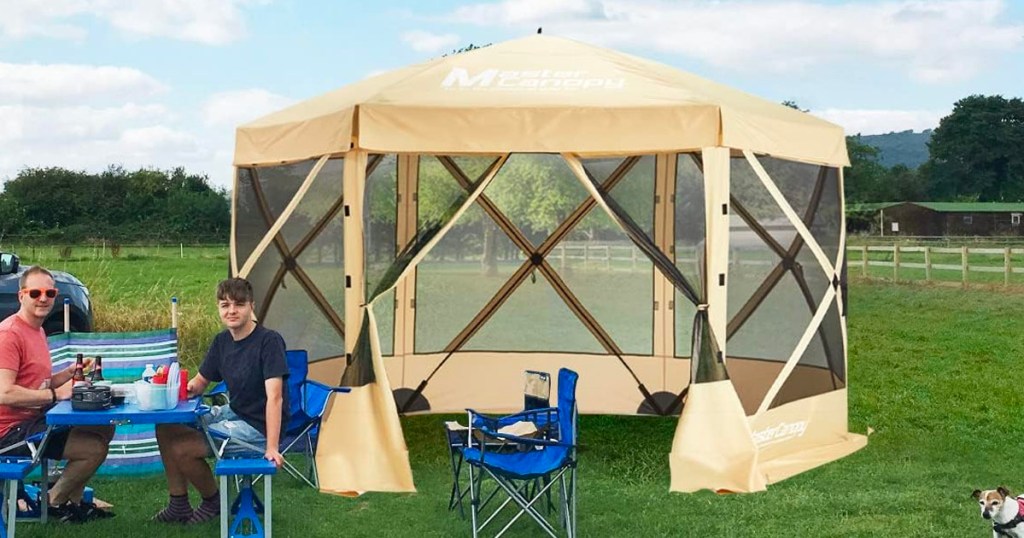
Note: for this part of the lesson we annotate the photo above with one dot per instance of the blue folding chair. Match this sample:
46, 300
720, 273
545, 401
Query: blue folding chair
35, 444
530, 473
307, 401
536, 395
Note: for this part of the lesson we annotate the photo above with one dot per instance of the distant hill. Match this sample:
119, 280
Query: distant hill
907, 148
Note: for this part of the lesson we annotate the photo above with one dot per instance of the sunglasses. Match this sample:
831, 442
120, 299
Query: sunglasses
36, 292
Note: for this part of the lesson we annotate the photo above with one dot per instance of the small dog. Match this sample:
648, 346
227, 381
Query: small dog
1005, 511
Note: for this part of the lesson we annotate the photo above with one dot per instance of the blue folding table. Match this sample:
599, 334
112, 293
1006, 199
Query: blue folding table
186, 412
62, 415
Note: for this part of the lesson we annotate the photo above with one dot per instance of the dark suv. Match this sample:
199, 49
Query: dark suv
68, 287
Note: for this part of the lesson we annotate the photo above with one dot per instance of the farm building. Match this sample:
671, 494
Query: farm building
945, 218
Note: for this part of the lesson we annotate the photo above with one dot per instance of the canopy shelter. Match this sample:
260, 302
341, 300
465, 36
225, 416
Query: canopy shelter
427, 234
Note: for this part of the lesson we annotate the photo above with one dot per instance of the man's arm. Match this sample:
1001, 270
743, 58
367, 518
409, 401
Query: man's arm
275, 388
17, 396
197, 385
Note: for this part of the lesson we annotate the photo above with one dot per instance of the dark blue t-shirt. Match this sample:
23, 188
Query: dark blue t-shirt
244, 366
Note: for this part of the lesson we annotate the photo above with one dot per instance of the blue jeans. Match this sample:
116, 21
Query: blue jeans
223, 420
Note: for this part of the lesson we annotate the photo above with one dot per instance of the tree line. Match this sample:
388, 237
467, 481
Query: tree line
58, 204
976, 154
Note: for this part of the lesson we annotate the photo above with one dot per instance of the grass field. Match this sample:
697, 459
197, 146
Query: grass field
933, 370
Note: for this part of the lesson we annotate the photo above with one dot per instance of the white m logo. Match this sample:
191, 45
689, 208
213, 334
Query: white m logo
461, 76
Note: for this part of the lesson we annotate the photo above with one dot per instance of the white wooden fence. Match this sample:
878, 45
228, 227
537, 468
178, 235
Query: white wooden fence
860, 256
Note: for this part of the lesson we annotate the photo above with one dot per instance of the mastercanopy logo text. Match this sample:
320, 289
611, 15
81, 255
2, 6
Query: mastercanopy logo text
533, 80
784, 431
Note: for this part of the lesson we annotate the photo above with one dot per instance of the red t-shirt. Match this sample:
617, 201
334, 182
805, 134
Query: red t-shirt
23, 349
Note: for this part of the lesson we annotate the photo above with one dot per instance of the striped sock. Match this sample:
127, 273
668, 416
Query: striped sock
207, 510
178, 510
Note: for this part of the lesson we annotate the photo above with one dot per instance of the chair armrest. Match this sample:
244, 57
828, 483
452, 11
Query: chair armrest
219, 388
485, 419
328, 387
522, 440
532, 415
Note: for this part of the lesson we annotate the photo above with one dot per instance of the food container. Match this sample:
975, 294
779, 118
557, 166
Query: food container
94, 398
154, 397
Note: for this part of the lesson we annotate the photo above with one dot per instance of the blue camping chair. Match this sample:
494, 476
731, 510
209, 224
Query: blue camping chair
530, 473
536, 395
307, 401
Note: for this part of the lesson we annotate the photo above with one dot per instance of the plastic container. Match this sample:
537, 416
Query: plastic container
153, 397
148, 373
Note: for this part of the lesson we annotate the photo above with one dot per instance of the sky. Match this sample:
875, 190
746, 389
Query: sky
85, 84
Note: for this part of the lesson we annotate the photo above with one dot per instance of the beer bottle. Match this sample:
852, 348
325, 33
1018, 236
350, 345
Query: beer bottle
79, 375
97, 370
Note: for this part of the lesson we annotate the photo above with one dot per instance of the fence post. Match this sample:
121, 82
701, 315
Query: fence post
963, 262
586, 255
895, 262
561, 256
632, 249
181, 248
607, 257
864, 260
1006, 266
928, 264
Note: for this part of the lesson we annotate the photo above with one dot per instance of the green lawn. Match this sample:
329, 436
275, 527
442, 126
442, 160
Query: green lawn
933, 370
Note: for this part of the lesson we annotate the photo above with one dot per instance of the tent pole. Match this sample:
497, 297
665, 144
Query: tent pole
716, 257
664, 236
353, 183
232, 252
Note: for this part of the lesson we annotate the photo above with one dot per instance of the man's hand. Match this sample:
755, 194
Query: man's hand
63, 392
86, 367
274, 456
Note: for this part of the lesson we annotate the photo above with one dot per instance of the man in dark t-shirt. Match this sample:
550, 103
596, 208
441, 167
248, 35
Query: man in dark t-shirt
250, 359
244, 366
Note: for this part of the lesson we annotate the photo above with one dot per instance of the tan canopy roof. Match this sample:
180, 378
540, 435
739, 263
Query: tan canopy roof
537, 94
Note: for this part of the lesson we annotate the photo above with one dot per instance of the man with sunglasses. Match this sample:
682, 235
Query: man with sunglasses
28, 387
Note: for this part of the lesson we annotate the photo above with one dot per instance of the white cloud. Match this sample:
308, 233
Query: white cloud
421, 41
62, 83
31, 125
22, 19
526, 11
93, 138
933, 41
221, 113
212, 22
233, 108
88, 117
882, 121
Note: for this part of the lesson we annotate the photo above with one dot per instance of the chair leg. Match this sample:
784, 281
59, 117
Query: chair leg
268, 511
455, 461
565, 509
474, 500
572, 484
44, 490
225, 509
311, 463
526, 506
12, 506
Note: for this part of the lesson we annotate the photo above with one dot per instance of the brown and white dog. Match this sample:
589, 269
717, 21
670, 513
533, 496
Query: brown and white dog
1005, 511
